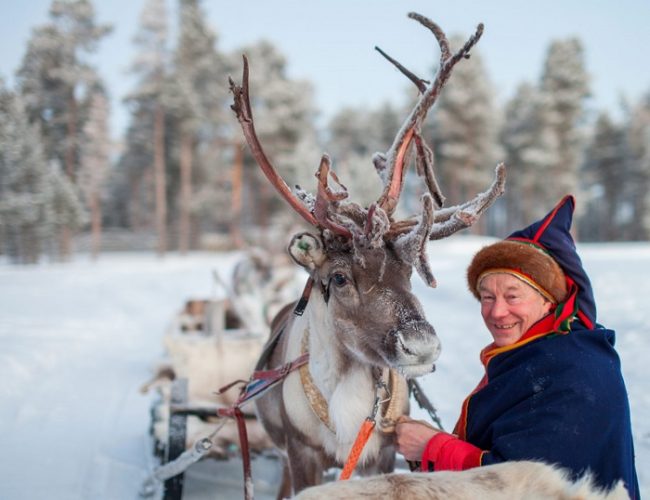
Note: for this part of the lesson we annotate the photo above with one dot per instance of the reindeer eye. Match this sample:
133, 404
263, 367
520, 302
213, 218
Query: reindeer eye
339, 279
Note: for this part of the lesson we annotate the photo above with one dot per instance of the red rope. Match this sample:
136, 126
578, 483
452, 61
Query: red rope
362, 438
245, 454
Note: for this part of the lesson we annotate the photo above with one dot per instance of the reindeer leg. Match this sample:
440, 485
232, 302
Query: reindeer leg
385, 462
285, 484
305, 464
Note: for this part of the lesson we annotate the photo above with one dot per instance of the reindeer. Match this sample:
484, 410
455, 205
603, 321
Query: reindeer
363, 328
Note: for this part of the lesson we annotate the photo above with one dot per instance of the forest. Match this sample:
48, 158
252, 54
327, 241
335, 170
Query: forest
181, 178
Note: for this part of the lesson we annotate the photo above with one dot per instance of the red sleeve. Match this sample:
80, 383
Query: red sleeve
447, 452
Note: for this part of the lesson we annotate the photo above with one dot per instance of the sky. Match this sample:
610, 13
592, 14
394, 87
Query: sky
331, 43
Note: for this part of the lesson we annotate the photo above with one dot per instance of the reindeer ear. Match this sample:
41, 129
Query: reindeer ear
307, 250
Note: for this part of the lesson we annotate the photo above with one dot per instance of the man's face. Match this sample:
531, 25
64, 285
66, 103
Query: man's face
510, 307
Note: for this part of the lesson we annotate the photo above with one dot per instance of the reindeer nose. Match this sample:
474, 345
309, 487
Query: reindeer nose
416, 348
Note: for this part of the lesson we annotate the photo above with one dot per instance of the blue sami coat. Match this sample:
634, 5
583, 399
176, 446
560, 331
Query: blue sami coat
558, 394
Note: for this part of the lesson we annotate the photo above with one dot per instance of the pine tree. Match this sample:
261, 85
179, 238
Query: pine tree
55, 76
25, 216
465, 128
67, 209
530, 148
199, 91
55, 79
638, 178
95, 160
604, 169
355, 134
142, 166
564, 85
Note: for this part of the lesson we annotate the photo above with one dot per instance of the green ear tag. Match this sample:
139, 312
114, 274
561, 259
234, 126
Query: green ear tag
304, 246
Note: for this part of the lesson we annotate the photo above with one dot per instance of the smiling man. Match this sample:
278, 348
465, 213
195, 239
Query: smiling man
510, 307
553, 389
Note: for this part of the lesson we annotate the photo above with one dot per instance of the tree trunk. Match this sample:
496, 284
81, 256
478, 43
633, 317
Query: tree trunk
70, 147
159, 179
65, 236
185, 193
65, 243
95, 224
236, 196
135, 202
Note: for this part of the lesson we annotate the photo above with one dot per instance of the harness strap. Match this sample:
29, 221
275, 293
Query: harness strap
283, 371
236, 413
253, 389
245, 454
304, 298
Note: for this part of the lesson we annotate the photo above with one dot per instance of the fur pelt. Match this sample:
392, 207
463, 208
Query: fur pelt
506, 481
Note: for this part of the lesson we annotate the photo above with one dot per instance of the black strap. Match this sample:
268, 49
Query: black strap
304, 298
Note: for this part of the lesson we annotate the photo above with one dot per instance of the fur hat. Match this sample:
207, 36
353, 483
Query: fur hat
526, 261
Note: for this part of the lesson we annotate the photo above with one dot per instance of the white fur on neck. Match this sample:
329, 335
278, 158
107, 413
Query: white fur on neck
350, 398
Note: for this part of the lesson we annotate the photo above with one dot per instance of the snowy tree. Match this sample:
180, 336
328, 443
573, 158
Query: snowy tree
349, 133
465, 130
95, 159
55, 78
638, 178
36, 199
530, 148
55, 75
604, 171
142, 167
198, 96
67, 209
25, 215
354, 136
564, 85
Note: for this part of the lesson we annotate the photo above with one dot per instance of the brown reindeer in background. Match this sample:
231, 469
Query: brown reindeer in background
363, 328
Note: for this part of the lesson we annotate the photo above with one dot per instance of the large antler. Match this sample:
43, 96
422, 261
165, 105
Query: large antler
370, 227
395, 161
411, 235
242, 108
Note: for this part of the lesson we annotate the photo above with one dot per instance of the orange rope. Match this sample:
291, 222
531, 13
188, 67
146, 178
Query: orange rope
362, 438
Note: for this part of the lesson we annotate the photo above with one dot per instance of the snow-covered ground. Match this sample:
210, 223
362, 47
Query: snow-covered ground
77, 340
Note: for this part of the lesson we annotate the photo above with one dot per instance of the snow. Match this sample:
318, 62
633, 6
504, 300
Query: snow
78, 339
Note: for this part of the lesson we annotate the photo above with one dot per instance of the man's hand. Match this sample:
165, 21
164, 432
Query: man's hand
412, 437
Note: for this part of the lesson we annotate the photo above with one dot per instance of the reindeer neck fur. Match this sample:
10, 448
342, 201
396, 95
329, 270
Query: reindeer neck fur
347, 385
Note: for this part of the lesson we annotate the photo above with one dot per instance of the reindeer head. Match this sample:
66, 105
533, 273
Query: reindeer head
362, 258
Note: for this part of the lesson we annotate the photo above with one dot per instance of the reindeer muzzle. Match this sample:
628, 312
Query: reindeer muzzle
415, 347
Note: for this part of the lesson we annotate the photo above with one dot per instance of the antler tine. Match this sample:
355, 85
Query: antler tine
453, 219
424, 165
242, 108
445, 51
420, 83
326, 196
397, 154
